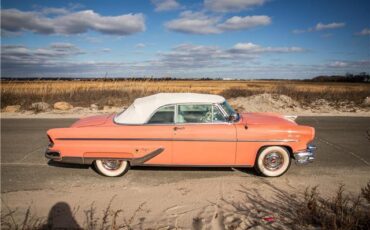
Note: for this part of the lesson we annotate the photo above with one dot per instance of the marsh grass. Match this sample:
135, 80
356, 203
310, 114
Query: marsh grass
122, 93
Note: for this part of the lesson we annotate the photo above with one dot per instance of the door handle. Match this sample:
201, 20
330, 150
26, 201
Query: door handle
177, 128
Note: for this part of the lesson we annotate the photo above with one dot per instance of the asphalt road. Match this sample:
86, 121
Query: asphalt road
343, 146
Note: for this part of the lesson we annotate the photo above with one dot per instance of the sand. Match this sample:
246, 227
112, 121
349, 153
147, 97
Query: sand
258, 103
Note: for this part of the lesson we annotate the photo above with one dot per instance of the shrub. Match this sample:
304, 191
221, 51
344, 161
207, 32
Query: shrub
339, 212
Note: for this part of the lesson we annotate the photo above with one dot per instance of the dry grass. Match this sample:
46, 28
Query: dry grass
120, 93
341, 211
61, 217
310, 210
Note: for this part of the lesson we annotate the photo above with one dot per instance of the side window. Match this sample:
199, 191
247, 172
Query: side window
218, 116
164, 115
194, 113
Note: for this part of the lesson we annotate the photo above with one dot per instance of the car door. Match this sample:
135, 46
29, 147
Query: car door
202, 136
158, 133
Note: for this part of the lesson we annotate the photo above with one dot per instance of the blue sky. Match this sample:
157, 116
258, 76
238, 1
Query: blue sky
247, 39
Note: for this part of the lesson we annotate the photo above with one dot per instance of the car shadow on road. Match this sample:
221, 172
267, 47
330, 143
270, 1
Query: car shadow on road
249, 171
67, 165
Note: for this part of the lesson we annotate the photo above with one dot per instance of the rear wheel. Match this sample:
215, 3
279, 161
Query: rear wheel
112, 168
273, 161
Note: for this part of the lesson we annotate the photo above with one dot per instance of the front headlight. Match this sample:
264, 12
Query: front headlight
291, 118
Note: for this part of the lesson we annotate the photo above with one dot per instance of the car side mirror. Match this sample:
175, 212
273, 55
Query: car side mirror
233, 117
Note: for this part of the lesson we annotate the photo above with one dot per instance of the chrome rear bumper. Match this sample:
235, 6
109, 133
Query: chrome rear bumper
306, 156
52, 155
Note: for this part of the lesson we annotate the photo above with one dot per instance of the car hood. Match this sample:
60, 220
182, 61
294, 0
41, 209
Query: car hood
92, 121
265, 119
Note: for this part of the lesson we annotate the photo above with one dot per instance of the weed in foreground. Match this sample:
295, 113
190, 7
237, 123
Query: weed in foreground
61, 217
338, 212
284, 210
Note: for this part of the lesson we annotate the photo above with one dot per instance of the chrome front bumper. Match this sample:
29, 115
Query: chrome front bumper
306, 156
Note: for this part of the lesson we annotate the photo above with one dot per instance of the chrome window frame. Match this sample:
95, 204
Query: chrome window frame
220, 106
182, 124
177, 107
220, 109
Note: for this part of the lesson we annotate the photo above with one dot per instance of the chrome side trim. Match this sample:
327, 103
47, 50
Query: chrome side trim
200, 166
90, 160
133, 161
269, 140
142, 160
176, 139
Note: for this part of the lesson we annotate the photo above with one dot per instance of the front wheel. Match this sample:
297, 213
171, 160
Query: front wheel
112, 168
273, 161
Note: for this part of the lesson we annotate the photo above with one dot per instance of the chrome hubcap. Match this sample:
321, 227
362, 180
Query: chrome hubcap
273, 161
111, 164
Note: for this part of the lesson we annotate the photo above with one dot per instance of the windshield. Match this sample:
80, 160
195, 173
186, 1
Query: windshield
228, 109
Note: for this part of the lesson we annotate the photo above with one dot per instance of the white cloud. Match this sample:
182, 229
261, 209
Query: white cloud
185, 60
253, 48
194, 23
54, 11
140, 45
297, 31
238, 23
201, 23
338, 64
199, 56
166, 5
358, 65
14, 20
93, 39
334, 25
365, 31
192, 56
327, 35
61, 58
106, 50
19, 55
321, 27
62, 45
231, 5
70, 7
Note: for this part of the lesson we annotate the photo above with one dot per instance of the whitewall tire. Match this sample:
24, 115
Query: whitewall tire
112, 168
273, 161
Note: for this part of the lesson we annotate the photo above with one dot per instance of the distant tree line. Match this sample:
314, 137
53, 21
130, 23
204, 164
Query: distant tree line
361, 77
107, 79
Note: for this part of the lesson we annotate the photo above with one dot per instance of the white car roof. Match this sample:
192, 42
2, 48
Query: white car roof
143, 108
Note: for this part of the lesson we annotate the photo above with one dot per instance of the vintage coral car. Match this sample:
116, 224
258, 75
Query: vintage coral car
183, 129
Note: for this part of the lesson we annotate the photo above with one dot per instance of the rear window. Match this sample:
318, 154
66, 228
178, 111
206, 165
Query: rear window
164, 115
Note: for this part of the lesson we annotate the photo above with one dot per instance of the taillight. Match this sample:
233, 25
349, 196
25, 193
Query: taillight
51, 143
